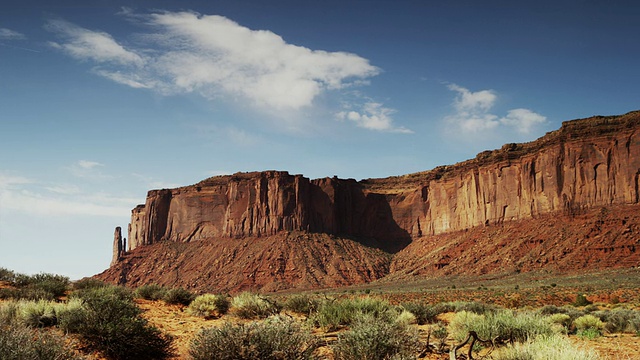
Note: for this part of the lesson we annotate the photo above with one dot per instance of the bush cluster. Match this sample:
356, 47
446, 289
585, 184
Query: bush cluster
553, 347
209, 306
424, 313
21, 343
333, 315
505, 325
376, 339
275, 338
302, 304
253, 306
41, 286
110, 322
150, 292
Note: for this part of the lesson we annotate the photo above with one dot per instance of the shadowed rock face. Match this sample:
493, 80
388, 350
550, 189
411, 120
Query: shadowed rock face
587, 163
272, 230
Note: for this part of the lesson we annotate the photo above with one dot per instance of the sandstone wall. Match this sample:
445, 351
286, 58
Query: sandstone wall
587, 163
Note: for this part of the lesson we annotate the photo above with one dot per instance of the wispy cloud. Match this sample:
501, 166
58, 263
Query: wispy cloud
8, 34
87, 169
40, 198
215, 57
472, 113
84, 44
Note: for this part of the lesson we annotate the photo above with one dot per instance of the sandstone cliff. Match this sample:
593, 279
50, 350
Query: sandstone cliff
587, 163
584, 166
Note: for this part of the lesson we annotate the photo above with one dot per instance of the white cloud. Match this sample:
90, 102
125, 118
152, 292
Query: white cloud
88, 170
86, 164
216, 57
473, 113
8, 34
84, 44
522, 119
468, 101
373, 116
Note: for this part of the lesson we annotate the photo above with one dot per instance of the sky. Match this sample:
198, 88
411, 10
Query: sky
101, 101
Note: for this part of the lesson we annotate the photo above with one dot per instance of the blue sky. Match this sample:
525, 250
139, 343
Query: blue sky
101, 101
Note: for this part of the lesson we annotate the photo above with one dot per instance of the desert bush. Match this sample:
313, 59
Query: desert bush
70, 315
9, 293
555, 347
209, 306
302, 304
21, 343
56, 285
619, 320
88, 283
560, 322
335, 314
425, 313
373, 338
588, 326
7, 275
275, 338
504, 325
111, 323
109, 291
37, 314
581, 300
9, 313
253, 306
476, 307
178, 296
150, 292
406, 317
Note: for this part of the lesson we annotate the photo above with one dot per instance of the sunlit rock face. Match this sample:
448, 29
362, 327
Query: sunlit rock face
587, 163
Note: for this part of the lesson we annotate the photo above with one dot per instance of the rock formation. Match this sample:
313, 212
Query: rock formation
586, 164
119, 246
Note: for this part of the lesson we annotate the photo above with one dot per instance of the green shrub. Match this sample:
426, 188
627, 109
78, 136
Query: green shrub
581, 300
111, 323
504, 325
20, 343
253, 306
333, 315
9, 293
555, 347
9, 313
620, 320
34, 293
560, 322
7, 275
302, 304
56, 285
209, 306
150, 292
37, 314
425, 313
588, 326
88, 283
71, 315
178, 296
275, 338
373, 338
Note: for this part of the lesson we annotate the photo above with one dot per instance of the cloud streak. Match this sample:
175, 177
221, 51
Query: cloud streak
473, 113
8, 34
24, 195
215, 57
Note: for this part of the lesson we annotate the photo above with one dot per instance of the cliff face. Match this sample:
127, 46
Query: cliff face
587, 163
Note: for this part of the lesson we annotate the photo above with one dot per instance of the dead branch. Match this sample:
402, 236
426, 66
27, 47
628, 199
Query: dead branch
473, 337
